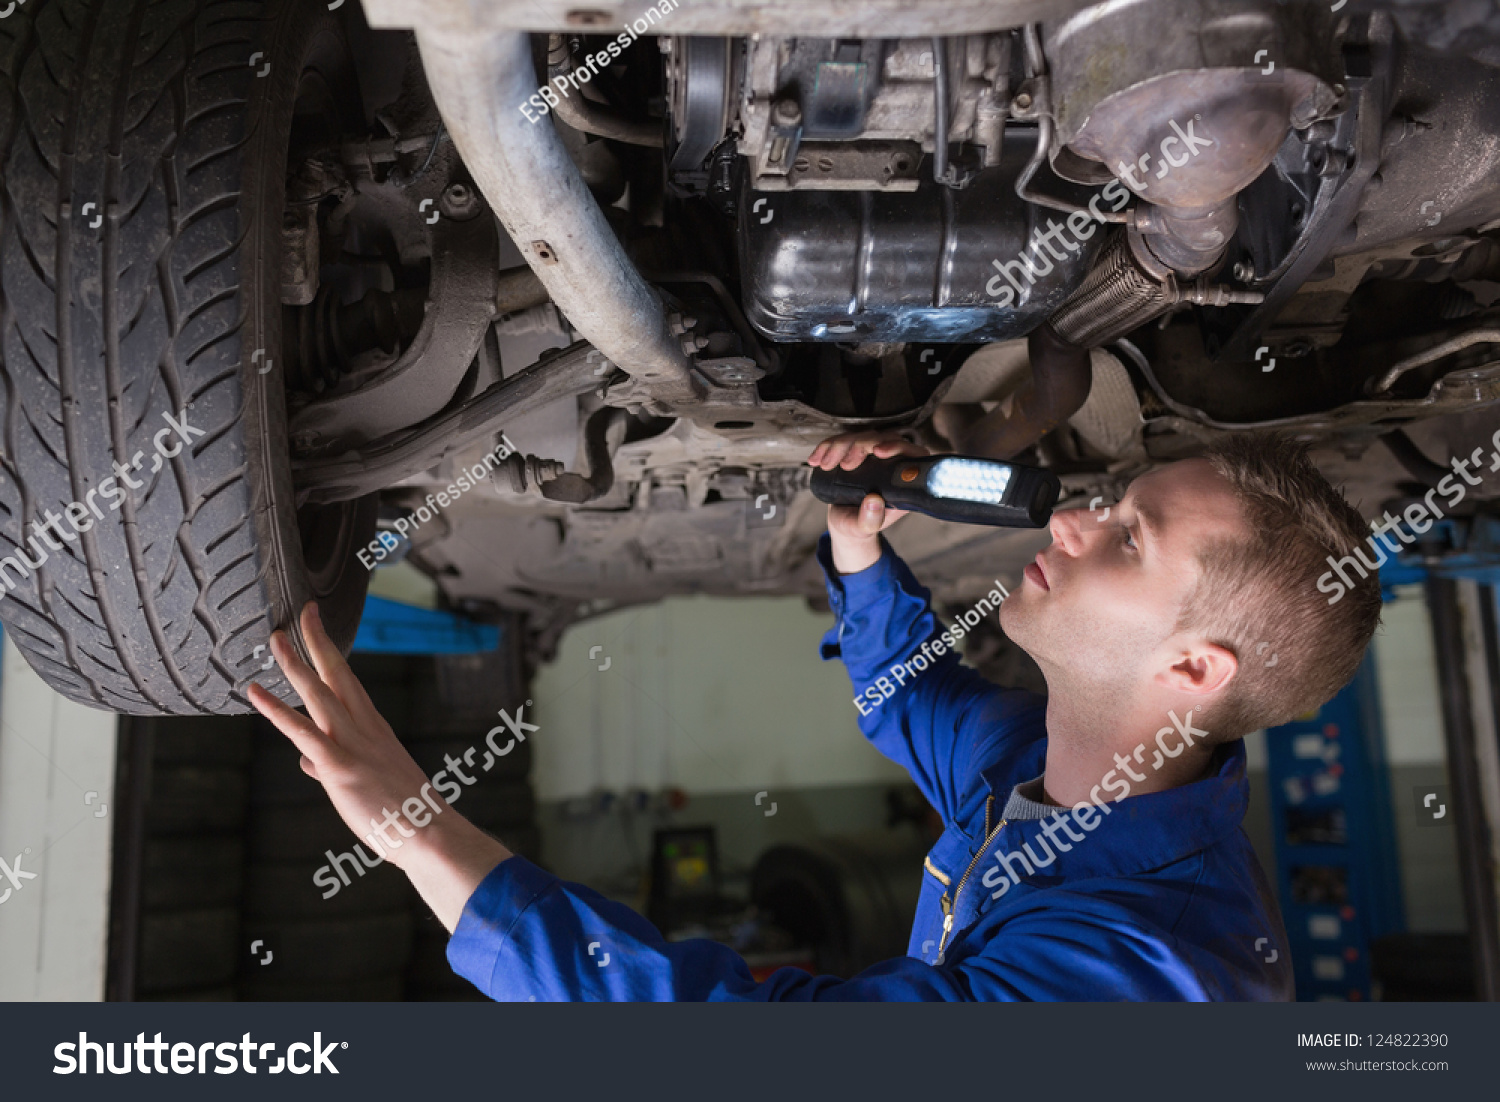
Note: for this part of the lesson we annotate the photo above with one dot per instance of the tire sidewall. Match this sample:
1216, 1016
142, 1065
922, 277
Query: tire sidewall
296, 32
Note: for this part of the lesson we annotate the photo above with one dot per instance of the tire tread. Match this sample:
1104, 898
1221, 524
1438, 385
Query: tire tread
147, 108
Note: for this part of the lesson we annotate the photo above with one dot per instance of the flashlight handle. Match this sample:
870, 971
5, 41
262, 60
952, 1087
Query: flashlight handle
901, 482
873, 476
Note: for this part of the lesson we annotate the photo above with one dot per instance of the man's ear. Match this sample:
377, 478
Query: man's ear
1200, 668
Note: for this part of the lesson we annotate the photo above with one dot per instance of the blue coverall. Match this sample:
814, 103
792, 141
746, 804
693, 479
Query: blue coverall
1162, 898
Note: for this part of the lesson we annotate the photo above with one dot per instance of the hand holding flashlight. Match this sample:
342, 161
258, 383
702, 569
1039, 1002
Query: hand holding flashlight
965, 489
854, 529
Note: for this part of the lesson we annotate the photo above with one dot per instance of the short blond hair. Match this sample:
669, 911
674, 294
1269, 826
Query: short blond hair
1262, 590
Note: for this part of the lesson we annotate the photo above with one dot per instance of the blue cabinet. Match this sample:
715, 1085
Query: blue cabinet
1337, 866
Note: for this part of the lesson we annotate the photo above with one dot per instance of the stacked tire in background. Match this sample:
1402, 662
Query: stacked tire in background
192, 858
354, 944
456, 703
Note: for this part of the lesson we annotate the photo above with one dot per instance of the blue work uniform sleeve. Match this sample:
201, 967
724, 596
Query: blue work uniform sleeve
526, 935
926, 711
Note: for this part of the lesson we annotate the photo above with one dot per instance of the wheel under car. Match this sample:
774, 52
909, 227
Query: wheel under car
150, 540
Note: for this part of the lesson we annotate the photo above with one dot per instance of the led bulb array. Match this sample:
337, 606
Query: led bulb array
969, 480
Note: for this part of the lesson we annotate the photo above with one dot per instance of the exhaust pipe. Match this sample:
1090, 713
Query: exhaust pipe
1061, 375
479, 83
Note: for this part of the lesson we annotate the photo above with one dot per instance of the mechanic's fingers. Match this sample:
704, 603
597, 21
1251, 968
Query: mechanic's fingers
303, 732
325, 708
828, 451
850, 449
335, 671
857, 453
871, 514
834, 451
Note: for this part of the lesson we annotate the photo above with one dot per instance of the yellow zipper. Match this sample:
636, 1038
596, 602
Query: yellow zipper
948, 905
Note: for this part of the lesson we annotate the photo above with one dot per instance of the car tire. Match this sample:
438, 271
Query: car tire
144, 153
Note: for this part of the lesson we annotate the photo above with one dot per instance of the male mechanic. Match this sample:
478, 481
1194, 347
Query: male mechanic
1092, 847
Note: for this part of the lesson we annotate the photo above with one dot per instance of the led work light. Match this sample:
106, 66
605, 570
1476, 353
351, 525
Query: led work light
960, 488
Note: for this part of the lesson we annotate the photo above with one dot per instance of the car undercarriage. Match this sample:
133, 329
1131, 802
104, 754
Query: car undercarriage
667, 249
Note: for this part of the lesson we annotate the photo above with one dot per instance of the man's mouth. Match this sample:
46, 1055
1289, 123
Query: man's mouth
1035, 572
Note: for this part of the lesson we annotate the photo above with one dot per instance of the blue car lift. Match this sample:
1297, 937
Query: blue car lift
390, 627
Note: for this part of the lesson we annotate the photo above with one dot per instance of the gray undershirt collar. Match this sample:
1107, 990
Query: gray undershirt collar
1026, 802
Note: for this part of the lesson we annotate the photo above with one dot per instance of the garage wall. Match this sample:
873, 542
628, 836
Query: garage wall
724, 699
1414, 748
711, 695
1257, 824
57, 769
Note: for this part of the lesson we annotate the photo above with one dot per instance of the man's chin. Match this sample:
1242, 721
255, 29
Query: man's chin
1020, 627
1016, 617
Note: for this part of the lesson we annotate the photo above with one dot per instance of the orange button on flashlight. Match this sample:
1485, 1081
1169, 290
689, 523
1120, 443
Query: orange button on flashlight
909, 474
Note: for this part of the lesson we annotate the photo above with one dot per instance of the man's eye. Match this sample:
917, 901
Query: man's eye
1126, 539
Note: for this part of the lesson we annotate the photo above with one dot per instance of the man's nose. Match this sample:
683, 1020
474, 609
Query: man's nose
1064, 529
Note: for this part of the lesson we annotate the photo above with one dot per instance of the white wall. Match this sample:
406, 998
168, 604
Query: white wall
53, 753
1406, 668
706, 694
1412, 716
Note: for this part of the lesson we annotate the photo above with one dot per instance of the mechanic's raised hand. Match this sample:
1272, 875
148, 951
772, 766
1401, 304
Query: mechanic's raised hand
350, 750
854, 532
346, 746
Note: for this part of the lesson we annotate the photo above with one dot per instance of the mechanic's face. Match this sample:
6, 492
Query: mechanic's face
1102, 600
